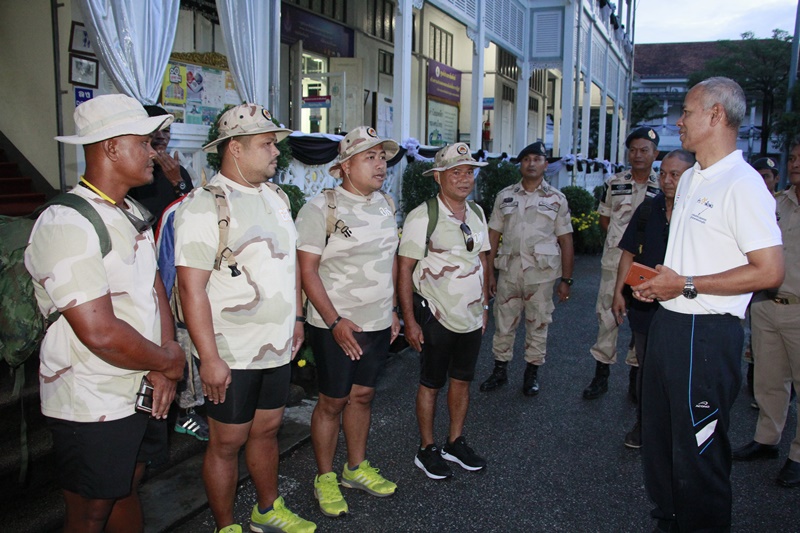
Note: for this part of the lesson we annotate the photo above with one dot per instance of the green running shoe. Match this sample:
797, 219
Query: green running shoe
367, 478
326, 490
279, 520
233, 528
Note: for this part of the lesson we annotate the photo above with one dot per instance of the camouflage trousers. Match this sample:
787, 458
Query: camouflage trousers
514, 295
605, 347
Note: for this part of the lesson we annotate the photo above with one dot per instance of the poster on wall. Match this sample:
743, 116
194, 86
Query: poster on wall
173, 88
194, 83
214, 88
442, 123
384, 115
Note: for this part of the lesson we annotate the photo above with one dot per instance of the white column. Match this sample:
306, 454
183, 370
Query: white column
614, 157
601, 135
587, 96
479, 44
568, 102
523, 93
401, 88
274, 102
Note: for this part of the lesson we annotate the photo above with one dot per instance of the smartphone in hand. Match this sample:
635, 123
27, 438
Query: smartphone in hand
639, 273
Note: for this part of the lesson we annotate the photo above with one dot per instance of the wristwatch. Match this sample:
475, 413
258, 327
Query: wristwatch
568, 281
689, 290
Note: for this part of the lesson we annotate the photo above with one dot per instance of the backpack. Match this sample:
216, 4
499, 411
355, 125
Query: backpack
22, 325
332, 220
224, 253
433, 218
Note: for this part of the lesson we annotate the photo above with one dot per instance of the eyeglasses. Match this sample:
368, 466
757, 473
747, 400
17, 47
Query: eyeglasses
140, 225
468, 240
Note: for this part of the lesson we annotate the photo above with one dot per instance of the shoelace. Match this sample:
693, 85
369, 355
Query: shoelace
329, 490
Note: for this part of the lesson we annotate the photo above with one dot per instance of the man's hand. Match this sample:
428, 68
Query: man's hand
414, 335
163, 393
619, 308
485, 321
298, 338
343, 335
667, 285
395, 327
492, 288
170, 165
215, 374
177, 360
563, 291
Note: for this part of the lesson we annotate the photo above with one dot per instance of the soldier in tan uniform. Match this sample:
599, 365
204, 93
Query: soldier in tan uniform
623, 193
775, 322
533, 219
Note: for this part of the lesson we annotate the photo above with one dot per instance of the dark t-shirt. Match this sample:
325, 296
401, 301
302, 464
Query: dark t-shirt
158, 195
652, 253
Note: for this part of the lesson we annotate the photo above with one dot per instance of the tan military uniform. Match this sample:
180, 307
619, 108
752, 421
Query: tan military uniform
776, 335
622, 197
529, 262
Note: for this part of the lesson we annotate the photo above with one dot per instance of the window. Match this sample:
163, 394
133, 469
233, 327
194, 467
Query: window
533, 104
441, 45
385, 62
509, 94
538, 81
381, 20
334, 9
507, 64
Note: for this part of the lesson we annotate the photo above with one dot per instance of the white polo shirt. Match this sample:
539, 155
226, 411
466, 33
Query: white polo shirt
721, 213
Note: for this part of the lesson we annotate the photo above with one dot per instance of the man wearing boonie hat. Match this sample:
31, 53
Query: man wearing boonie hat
242, 319
768, 168
349, 278
445, 304
622, 194
533, 219
115, 327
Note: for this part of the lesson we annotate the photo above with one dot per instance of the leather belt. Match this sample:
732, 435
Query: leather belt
789, 300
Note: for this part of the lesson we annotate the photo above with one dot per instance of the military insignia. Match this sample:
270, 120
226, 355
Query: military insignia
266, 114
462, 149
371, 132
770, 163
651, 134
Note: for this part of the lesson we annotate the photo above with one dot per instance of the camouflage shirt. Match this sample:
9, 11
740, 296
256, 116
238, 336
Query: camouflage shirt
253, 313
450, 278
621, 197
356, 264
68, 270
531, 223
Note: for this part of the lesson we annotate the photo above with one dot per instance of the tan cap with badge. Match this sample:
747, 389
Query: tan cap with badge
245, 119
360, 140
453, 155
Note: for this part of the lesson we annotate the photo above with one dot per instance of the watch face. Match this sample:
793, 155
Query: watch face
182, 185
689, 292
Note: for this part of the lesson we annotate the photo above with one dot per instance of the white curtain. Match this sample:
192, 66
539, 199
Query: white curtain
246, 30
133, 40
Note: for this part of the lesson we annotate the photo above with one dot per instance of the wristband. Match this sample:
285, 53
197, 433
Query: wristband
333, 324
568, 281
396, 309
300, 318
485, 307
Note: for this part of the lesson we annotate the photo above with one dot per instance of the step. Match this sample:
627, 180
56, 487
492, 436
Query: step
8, 170
20, 208
22, 197
15, 185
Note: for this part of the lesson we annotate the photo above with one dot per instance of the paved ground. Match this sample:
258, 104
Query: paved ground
556, 461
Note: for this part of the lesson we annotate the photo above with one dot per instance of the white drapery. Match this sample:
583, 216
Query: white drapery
246, 30
133, 40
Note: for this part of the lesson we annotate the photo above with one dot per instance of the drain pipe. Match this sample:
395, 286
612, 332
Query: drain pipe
62, 179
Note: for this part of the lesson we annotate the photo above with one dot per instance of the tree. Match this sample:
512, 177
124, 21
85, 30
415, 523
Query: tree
761, 67
644, 108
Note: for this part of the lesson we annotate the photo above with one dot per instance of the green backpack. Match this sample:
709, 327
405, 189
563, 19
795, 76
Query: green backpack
22, 325
432, 205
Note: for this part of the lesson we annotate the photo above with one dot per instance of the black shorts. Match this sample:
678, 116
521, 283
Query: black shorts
337, 373
446, 353
250, 390
97, 459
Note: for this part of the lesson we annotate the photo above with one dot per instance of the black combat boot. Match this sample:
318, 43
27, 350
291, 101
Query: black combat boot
530, 385
599, 384
498, 377
632, 389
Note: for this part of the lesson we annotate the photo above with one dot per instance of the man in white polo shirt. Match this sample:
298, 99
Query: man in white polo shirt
723, 244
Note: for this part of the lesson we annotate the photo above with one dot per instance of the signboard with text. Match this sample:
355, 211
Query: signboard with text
443, 82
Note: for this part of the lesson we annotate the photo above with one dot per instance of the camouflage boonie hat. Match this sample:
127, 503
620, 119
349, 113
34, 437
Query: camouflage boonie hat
245, 119
453, 155
766, 163
360, 140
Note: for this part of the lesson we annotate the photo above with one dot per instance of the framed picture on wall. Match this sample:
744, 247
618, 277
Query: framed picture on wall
83, 71
79, 41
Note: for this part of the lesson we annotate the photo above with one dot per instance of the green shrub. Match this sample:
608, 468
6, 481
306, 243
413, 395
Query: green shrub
215, 161
296, 198
493, 178
417, 188
587, 236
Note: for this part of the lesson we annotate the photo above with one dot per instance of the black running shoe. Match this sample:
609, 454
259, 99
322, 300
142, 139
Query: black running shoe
429, 460
460, 453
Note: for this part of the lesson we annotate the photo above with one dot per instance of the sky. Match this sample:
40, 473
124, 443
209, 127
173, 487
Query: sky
677, 21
